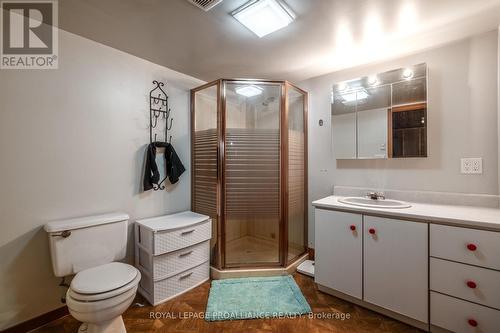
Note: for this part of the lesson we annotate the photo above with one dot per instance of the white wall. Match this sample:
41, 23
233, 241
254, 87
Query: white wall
462, 120
72, 143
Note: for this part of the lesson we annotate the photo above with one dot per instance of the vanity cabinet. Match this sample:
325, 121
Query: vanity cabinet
338, 253
396, 266
415, 268
464, 279
377, 260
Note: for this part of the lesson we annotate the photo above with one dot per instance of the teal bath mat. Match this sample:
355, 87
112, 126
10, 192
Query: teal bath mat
258, 297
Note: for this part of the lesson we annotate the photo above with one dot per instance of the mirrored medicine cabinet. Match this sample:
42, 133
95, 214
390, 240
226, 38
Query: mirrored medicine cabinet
381, 116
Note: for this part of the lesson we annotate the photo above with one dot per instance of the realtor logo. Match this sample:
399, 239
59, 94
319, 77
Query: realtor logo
29, 38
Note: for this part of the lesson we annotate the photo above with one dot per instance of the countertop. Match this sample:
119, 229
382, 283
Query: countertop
467, 216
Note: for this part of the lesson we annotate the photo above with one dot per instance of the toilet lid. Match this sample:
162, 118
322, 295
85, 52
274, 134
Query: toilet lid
103, 278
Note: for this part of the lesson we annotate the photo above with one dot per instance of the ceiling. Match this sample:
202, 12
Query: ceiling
328, 35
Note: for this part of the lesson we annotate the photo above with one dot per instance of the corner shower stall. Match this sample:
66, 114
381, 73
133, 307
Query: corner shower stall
249, 170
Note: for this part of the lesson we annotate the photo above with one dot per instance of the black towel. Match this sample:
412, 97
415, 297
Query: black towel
173, 162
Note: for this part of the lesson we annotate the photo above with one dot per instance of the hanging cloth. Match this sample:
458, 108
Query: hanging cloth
175, 168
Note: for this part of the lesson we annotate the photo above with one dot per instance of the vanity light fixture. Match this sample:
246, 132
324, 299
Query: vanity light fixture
263, 17
372, 80
249, 91
407, 73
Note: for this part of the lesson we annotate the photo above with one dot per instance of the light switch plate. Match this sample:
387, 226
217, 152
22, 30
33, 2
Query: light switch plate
471, 165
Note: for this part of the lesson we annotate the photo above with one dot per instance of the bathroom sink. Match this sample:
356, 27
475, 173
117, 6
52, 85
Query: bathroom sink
378, 203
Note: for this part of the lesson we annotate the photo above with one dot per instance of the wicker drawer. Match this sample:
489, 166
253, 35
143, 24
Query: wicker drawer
470, 246
454, 315
168, 264
160, 291
475, 284
168, 241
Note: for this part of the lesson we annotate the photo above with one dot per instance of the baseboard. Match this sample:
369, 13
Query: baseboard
39, 321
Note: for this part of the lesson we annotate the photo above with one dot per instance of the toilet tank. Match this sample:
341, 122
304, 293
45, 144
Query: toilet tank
81, 243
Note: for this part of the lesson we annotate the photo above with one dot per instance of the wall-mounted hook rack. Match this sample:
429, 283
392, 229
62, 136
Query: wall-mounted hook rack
158, 108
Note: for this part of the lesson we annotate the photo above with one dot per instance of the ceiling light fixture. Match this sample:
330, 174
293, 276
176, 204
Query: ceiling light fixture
342, 86
407, 74
354, 96
248, 91
263, 17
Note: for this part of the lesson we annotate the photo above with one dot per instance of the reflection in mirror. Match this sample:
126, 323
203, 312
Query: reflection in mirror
344, 125
381, 116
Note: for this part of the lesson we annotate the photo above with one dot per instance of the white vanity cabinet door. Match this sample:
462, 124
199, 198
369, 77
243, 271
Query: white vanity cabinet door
396, 266
338, 252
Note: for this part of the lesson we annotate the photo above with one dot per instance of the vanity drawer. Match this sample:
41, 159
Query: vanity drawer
168, 241
470, 246
479, 285
459, 316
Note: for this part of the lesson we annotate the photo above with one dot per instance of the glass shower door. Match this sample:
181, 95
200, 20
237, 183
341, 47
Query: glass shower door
252, 173
296, 167
204, 161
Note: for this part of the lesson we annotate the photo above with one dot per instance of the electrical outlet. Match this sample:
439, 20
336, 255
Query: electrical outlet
471, 165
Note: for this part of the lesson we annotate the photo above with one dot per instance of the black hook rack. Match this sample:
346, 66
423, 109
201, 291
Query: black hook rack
158, 108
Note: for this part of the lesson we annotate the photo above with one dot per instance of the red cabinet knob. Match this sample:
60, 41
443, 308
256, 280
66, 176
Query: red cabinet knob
353, 227
471, 247
472, 322
471, 284
371, 231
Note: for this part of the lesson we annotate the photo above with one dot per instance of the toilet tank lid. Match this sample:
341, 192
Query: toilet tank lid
83, 222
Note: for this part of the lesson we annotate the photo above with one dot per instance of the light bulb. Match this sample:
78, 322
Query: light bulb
408, 73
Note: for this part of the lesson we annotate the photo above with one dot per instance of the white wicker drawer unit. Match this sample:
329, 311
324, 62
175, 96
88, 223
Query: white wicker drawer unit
172, 253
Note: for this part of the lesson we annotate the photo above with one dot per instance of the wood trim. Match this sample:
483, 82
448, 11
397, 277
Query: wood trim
409, 107
389, 133
38, 321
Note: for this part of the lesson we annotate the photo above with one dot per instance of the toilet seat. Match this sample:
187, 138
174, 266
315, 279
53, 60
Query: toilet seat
103, 282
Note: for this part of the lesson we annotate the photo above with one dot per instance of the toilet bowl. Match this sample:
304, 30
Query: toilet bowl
103, 288
98, 296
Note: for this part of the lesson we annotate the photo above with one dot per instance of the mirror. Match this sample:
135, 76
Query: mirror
381, 116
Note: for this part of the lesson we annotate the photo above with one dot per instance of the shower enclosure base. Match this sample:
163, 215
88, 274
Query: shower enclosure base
250, 249
218, 274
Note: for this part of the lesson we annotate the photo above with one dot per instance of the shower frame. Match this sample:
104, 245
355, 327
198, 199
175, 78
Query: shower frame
220, 247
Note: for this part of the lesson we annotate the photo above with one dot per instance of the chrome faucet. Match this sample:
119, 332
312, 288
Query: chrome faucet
376, 195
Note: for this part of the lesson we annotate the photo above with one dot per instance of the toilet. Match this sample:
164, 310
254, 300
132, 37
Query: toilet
102, 288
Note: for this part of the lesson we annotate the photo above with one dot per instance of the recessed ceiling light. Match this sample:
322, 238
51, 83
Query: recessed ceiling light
264, 16
408, 73
248, 91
